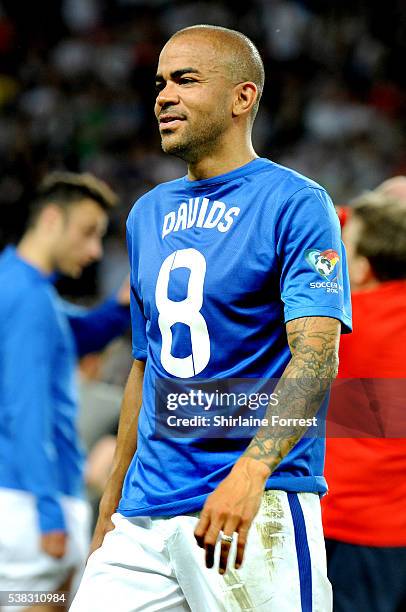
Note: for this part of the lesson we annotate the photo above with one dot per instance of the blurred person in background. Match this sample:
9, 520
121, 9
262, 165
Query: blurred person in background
102, 377
364, 514
44, 518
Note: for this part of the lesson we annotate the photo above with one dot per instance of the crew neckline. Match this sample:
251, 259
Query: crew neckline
248, 168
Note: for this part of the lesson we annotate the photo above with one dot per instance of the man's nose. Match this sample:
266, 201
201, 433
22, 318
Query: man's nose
96, 250
168, 95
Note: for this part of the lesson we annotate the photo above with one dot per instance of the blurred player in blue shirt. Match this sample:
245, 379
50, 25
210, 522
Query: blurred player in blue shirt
237, 272
43, 514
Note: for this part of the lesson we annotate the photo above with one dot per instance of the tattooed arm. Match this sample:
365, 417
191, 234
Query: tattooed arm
313, 342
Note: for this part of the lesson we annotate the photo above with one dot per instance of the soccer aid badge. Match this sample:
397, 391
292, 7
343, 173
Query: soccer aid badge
324, 263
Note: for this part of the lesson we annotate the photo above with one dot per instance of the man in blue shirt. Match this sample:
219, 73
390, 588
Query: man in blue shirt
42, 511
237, 272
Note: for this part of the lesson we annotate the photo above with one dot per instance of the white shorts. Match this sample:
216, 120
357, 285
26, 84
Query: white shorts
23, 565
154, 564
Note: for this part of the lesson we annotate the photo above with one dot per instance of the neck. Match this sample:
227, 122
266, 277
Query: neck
34, 251
227, 157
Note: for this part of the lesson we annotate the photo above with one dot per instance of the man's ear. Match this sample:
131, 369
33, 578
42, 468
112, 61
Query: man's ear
51, 216
245, 96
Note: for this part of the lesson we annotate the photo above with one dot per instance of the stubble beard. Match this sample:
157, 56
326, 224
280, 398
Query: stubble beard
194, 144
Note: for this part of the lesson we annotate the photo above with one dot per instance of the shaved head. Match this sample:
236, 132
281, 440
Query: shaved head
209, 81
239, 56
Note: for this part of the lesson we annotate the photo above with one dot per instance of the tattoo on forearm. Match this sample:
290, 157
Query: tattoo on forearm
314, 346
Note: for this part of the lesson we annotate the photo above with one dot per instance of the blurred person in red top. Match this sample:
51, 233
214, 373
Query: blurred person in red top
364, 515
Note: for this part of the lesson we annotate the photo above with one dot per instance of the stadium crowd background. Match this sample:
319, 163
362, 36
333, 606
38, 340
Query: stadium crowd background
77, 91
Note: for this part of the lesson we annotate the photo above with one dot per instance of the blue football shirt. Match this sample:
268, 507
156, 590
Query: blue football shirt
218, 266
42, 337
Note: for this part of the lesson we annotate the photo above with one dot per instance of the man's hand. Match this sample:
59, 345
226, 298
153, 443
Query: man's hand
123, 295
232, 508
54, 543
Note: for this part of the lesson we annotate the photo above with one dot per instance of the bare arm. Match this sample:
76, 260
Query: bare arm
233, 505
313, 342
125, 449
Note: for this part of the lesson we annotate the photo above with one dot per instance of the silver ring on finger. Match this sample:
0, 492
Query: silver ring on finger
226, 538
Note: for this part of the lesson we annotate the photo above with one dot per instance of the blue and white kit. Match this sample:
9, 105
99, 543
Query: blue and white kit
42, 338
218, 266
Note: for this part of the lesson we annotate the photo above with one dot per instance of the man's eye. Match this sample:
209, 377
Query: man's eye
159, 87
186, 81
89, 232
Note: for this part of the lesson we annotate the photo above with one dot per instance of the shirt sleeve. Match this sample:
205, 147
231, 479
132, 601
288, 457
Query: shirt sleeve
313, 267
138, 319
28, 372
94, 328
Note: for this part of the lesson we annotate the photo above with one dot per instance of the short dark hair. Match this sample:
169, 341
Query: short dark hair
67, 188
382, 237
